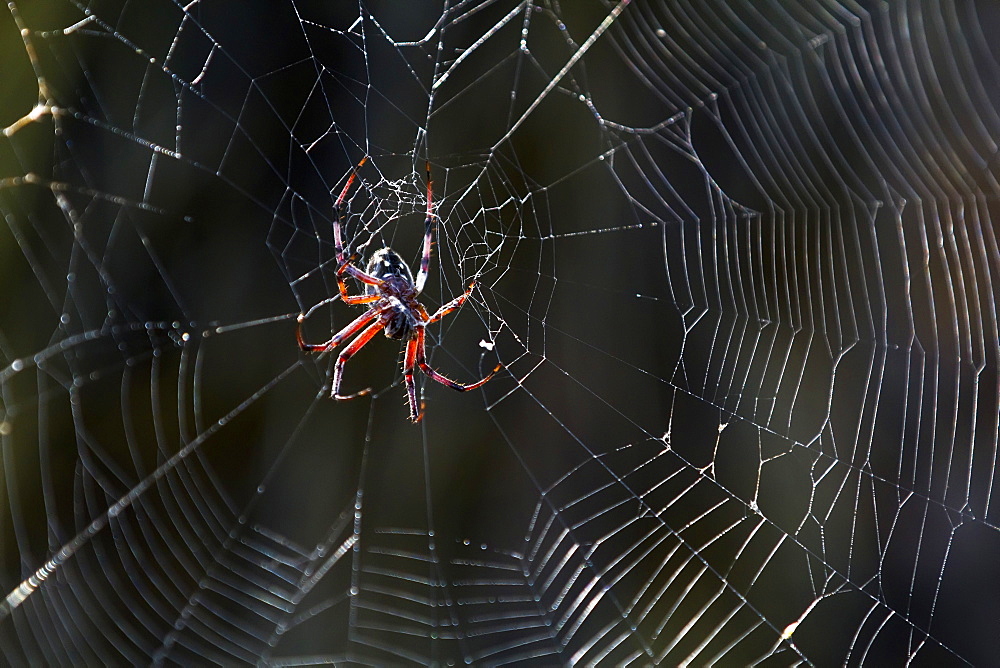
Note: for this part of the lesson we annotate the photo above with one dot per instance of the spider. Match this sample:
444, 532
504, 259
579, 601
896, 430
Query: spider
392, 294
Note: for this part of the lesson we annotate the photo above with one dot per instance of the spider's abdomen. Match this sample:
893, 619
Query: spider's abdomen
387, 265
397, 289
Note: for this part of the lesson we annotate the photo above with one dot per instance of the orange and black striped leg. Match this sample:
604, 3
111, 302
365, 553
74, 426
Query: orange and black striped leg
355, 299
411, 389
425, 259
452, 305
441, 378
348, 268
346, 354
337, 238
356, 326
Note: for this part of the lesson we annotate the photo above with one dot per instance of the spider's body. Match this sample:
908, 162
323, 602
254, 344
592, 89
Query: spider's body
398, 288
392, 294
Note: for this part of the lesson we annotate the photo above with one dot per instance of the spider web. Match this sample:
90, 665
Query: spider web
737, 259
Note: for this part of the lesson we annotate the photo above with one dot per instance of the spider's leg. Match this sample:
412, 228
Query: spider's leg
335, 340
346, 266
441, 378
346, 354
338, 241
425, 260
349, 268
361, 276
452, 305
411, 389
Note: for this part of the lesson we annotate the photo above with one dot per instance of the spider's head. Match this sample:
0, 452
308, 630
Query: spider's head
386, 264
